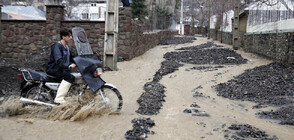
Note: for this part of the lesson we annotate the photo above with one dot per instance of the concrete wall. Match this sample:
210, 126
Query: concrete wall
20, 38
276, 46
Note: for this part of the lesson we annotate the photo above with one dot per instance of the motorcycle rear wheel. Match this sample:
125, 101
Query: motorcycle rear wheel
32, 93
113, 98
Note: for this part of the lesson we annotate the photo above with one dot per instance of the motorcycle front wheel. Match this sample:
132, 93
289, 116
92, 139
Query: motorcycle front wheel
111, 97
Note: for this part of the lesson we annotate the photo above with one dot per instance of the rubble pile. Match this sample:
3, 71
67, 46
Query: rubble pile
246, 131
140, 129
284, 114
205, 68
202, 46
151, 100
270, 84
223, 56
177, 40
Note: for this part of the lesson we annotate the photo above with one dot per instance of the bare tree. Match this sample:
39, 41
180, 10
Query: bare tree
69, 5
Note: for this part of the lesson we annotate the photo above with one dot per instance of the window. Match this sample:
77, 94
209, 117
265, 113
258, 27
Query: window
94, 16
84, 15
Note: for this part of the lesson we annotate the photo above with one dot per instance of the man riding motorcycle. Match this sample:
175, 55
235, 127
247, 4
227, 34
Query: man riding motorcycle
60, 64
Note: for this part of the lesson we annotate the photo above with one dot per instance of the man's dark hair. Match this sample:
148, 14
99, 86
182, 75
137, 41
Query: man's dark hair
65, 32
126, 3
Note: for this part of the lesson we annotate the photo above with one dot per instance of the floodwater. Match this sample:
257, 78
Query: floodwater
212, 117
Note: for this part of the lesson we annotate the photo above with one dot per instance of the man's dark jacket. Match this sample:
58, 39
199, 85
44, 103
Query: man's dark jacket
58, 60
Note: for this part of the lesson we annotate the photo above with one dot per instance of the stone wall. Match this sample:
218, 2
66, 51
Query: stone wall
21, 37
223, 37
227, 38
276, 46
134, 40
213, 34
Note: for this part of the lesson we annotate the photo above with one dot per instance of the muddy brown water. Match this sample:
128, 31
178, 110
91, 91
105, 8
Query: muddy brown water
171, 122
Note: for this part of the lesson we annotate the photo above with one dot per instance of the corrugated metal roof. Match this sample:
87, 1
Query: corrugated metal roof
25, 12
272, 5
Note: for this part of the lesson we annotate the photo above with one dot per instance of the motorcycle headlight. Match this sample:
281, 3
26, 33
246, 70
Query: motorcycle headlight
98, 72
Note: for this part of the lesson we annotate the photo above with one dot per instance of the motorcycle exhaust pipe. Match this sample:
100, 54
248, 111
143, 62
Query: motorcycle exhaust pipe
26, 100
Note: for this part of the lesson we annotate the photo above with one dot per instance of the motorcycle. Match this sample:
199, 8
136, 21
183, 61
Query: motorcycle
40, 88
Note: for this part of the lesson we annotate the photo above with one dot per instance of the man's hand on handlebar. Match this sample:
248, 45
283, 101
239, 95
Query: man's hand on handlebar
71, 66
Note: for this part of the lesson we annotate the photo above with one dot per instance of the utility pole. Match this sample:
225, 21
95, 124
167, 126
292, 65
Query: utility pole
236, 41
111, 34
209, 12
181, 19
154, 15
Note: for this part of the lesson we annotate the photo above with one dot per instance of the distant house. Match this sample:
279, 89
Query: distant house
22, 13
90, 11
273, 16
226, 22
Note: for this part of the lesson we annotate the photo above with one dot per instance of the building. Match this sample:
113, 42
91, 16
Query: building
89, 11
264, 17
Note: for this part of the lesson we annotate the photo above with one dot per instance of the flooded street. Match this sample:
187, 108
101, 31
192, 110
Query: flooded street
191, 108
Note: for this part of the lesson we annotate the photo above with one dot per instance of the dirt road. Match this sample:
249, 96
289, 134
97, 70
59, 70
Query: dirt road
211, 121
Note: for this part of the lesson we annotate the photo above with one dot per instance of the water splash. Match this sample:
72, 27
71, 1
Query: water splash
79, 108
11, 107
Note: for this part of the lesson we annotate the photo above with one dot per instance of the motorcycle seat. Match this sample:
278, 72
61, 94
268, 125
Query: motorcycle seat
42, 77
